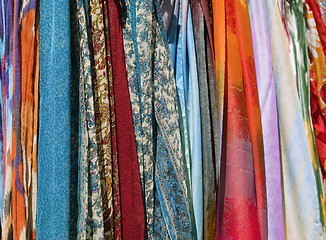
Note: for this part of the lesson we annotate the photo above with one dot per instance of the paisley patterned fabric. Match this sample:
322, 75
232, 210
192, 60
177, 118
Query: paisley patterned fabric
162, 119
155, 116
90, 217
102, 111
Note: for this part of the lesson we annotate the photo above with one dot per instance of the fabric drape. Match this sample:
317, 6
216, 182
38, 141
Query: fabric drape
58, 126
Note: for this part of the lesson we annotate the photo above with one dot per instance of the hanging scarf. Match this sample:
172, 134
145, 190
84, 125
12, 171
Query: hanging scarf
267, 102
243, 207
58, 129
297, 30
297, 168
102, 77
219, 30
113, 131
90, 216
155, 116
132, 208
202, 32
19, 112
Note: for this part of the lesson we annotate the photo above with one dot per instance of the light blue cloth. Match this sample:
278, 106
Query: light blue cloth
57, 156
182, 47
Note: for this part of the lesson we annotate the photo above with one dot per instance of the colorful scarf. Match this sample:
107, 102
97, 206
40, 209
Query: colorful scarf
298, 177
267, 102
242, 199
155, 117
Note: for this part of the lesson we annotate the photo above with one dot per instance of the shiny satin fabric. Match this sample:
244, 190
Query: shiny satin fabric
201, 30
219, 37
185, 66
269, 117
242, 196
296, 25
300, 201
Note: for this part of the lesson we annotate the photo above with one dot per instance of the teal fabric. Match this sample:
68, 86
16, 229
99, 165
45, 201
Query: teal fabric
58, 126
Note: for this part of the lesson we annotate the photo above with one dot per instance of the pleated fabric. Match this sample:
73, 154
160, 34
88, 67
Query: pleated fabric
203, 40
303, 214
269, 117
58, 126
132, 206
155, 116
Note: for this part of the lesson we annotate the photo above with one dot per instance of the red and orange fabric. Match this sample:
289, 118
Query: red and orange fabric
242, 196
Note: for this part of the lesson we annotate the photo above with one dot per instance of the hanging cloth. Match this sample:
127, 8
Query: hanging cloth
296, 25
297, 166
90, 214
113, 129
58, 126
29, 36
132, 206
203, 46
242, 202
14, 211
102, 76
267, 102
155, 117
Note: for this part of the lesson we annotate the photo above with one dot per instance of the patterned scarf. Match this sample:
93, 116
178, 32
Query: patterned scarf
155, 117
